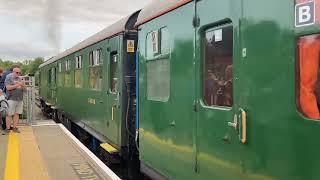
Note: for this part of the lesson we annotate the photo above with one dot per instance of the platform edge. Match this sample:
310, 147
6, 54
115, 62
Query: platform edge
105, 168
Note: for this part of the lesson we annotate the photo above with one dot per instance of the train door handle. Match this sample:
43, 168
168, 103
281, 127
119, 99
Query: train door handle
112, 113
243, 126
234, 124
240, 125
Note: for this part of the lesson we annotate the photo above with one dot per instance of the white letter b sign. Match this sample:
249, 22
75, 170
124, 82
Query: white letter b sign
305, 14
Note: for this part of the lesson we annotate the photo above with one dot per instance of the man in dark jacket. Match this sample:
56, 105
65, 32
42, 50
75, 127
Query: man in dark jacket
3, 118
4, 75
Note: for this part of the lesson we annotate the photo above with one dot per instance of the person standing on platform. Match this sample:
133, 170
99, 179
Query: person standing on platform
15, 87
4, 75
1, 87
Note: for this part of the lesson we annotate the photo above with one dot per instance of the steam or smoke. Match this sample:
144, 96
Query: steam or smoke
52, 24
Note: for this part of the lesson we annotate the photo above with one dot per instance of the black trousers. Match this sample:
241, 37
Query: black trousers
3, 123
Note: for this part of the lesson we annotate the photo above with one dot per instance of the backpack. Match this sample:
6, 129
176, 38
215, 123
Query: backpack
4, 108
2, 81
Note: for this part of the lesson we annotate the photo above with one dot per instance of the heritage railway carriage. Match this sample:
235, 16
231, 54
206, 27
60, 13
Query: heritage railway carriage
224, 89
93, 85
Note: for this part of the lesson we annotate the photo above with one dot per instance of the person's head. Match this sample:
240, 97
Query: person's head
14, 66
228, 73
16, 72
1, 71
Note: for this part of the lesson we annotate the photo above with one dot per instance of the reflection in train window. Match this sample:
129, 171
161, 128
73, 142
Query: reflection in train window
78, 72
308, 86
113, 73
218, 74
158, 80
95, 75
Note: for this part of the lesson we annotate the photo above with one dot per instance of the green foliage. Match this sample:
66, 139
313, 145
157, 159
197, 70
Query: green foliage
27, 66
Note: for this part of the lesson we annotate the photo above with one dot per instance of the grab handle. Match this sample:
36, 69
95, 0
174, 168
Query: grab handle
243, 127
112, 113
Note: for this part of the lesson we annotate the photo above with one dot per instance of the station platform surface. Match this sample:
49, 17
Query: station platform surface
48, 151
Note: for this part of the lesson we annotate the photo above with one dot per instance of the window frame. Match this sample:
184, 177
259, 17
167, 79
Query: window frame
95, 57
147, 77
96, 63
299, 107
203, 62
78, 62
113, 54
59, 67
92, 68
67, 65
158, 56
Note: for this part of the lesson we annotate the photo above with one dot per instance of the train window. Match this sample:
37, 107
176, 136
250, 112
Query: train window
50, 77
164, 41
77, 72
91, 58
95, 75
60, 67
95, 57
60, 79
308, 76
67, 74
157, 43
217, 80
95, 71
78, 62
99, 56
67, 79
113, 73
67, 65
77, 78
158, 80
53, 76
149, 46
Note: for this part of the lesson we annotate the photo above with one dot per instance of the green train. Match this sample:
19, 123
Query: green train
203, 89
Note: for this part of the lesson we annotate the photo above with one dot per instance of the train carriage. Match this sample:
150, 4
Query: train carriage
229, 78
225, 89
92, 85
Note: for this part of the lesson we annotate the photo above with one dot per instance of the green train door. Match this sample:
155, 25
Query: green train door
52, 85
220, 131
114, 96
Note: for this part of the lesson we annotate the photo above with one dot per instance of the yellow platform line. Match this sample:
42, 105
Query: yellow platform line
12, 169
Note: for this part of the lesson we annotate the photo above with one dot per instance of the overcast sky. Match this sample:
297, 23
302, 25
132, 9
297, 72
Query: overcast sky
32, 28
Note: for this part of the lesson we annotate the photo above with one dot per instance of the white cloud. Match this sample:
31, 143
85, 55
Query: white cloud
12, 50
46, 22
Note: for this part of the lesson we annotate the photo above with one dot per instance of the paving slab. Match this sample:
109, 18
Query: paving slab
48, 151
63, 156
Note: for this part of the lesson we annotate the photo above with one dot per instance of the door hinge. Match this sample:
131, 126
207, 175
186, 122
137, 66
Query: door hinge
196, 21
196, 105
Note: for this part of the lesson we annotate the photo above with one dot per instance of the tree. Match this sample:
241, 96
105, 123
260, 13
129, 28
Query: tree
27, 66
34, 65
